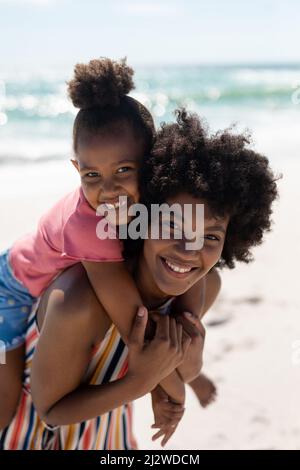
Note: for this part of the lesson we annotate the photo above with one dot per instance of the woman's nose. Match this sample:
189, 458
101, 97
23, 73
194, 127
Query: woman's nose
182, 249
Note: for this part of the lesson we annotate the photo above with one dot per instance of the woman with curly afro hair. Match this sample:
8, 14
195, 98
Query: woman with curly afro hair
236, 186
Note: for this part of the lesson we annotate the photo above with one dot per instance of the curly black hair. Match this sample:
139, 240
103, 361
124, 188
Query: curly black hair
222, 169
100, 90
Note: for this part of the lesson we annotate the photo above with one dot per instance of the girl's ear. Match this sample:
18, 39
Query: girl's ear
75, 164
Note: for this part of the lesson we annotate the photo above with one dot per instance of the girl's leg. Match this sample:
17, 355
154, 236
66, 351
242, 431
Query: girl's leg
204, 389
10, 384
15, 306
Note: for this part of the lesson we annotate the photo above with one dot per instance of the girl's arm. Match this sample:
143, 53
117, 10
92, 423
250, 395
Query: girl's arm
167, 415
174, 386
117, 292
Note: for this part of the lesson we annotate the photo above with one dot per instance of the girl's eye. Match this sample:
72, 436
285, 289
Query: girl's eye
124, 169
92, 174
173, 225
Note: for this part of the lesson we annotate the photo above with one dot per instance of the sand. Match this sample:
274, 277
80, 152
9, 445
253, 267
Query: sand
251, 329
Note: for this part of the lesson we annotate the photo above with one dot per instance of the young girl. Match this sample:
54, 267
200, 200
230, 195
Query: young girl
112, 133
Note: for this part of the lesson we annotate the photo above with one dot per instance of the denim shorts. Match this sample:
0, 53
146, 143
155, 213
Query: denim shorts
16, 303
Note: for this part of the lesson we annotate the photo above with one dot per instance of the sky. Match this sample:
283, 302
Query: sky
41, 33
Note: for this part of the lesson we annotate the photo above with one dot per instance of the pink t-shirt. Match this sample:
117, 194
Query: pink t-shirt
66, 235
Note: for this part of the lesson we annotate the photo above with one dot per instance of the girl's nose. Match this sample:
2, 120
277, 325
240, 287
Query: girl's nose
108, 190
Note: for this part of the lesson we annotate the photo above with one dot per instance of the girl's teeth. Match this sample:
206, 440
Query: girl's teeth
112, 206
115, 206
177, 269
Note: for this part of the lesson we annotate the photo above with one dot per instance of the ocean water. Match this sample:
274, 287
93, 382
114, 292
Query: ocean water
36, 117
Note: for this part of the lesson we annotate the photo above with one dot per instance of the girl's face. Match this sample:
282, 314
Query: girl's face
164, 258
108, 168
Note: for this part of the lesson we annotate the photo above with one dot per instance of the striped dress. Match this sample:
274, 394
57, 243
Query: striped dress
110, 431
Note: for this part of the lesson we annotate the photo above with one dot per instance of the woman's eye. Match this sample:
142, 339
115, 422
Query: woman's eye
212, 237
124, 169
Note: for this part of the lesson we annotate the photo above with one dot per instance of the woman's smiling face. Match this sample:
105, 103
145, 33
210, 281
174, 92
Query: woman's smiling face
173, 267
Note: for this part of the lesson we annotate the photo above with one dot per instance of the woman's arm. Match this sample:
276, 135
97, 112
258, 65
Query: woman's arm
90, 401
60, 360
63, 354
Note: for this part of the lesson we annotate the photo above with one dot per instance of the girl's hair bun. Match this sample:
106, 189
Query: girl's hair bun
102, 82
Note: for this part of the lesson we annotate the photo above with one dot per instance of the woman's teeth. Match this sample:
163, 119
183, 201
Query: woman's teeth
177, 269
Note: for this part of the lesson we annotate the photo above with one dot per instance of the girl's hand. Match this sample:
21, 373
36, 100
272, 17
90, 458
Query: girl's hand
151, 362
167, 415
193, 361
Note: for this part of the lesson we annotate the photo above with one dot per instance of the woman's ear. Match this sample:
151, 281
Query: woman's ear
75, 164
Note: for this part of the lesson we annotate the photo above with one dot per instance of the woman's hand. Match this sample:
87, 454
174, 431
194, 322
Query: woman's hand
151, 362
167, 415
192, 364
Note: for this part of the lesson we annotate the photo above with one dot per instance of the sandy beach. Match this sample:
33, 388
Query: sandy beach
251, 329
